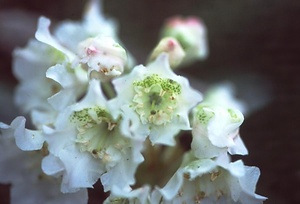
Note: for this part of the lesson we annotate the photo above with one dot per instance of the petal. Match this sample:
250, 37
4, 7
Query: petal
43, 35
25, 139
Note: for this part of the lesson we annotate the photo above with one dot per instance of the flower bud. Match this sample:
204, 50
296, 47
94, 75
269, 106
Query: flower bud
191, 34
104, 58
171, 46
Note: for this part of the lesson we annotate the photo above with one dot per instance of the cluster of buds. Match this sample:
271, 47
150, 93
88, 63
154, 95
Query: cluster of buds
96, 116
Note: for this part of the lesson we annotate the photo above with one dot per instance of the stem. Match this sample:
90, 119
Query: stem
108, 89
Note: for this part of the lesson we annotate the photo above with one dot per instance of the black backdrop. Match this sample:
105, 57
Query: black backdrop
252, 42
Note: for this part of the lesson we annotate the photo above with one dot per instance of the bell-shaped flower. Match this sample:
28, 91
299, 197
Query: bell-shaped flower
171, 46
85, 144
104, 58
23, 169
191, 34
211, 181
154, 101
224, 95
216, 130
94, 23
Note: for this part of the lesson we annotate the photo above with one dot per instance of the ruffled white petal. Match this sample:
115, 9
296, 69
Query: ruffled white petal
25, 139
43, 35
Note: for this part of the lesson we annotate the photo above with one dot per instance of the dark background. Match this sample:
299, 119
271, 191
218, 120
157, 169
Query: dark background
254, 43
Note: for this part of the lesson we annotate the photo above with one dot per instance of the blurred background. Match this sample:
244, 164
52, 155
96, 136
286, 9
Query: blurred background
253, 43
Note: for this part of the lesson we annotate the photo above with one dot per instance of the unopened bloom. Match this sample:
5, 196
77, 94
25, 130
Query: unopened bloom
104, 58
216, 130
171, 46
191, 34
154, 101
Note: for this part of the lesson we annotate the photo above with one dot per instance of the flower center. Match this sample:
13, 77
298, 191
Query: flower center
155, 99
98, 134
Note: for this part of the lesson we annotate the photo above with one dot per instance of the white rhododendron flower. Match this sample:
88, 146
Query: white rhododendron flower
86, 141
96, 117
71, 33
191, 34
23, 169
223, 95
211, 181
104, 57
216, 130
154, 101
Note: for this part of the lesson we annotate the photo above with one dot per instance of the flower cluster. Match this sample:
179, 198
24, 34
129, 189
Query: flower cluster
97, 116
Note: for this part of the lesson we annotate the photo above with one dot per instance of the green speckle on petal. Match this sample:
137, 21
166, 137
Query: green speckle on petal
234, 116
203, 114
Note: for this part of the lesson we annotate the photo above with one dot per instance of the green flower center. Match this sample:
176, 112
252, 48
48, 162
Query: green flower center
156, 99
97, 133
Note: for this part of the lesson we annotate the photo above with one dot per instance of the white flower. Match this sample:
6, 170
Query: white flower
211, 181
216, 130
31, 65
94, 23
154, 101
104, 57
191, 33
171, 46
23, 171
86, 144
71, 33
223, 95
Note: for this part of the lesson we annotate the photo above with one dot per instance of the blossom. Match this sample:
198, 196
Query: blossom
211, 181
86, 144
94, 23
23, 169
154, 101
223, 95
191, 34
216, 130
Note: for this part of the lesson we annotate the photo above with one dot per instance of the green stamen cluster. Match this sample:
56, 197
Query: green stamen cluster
95, 132
89, 115
156, 99
168, 85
